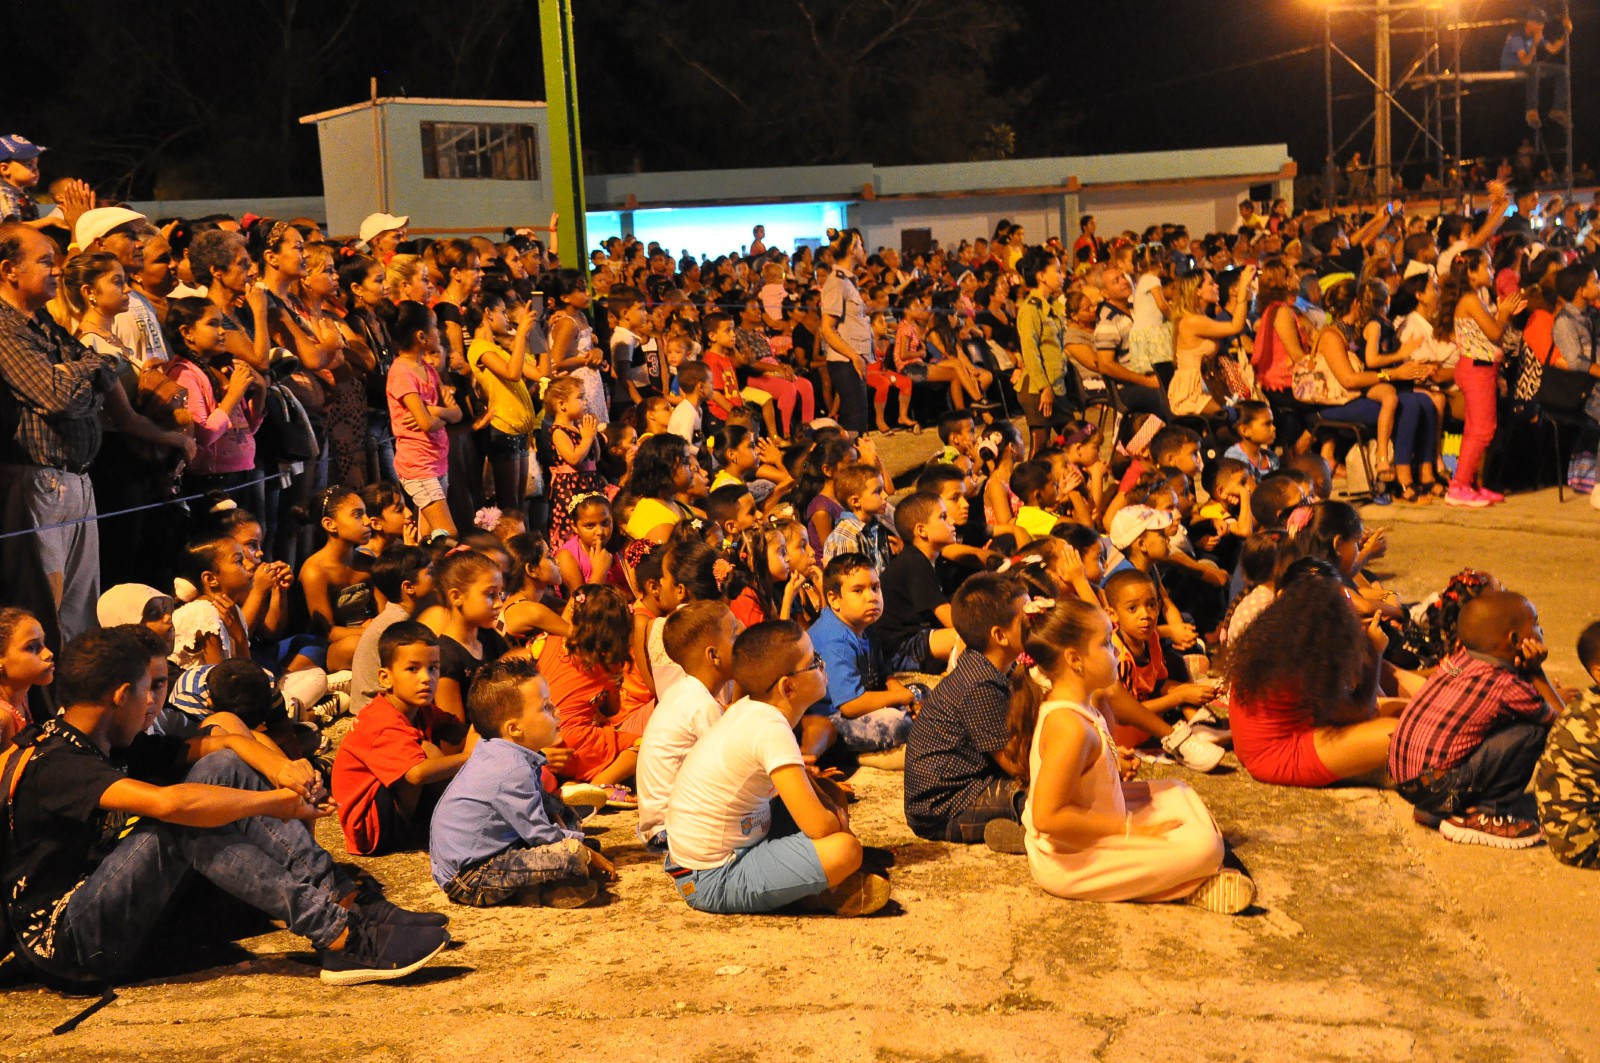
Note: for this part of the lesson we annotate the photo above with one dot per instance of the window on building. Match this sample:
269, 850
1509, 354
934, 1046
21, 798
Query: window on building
493, 151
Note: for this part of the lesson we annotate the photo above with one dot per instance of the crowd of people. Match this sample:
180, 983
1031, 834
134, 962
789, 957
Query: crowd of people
561, 544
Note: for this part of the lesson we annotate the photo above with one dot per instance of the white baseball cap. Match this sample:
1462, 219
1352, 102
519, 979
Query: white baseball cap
1133, 521
93, 224
376, 224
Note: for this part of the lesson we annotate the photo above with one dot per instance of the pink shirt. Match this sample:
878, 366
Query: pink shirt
417, 455
223, 442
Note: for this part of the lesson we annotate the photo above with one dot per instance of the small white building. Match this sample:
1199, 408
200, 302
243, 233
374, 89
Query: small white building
480, 166
454, 165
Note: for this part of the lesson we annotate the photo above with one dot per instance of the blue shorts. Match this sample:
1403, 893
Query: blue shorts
760, 878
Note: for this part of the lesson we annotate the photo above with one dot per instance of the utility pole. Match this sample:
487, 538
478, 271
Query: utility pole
1381, 149
566, 143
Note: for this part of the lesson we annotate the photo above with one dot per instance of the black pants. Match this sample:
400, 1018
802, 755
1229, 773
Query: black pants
1001, 799
852, 392
1494, 778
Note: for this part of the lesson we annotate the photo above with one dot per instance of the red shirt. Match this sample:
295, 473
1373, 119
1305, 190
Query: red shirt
384, 744
724, 382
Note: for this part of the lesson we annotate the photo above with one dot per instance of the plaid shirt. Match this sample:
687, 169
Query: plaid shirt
851, 536
51, 389
1458, 706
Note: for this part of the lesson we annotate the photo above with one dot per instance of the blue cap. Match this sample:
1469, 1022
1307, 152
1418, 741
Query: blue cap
18, 147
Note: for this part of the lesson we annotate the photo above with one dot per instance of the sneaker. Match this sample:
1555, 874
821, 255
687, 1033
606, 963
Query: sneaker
375, 907
1217, 736
584, 798
1206, 716
339, 682
1532, 118
1194, 752
1228, 892
1494, 498
1005, 836
1477, 827
1464, 496
1559, 118
381, 952
861, 894
620, 796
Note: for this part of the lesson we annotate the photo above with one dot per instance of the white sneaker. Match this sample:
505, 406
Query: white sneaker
1192, 751
339, 682
1217, 736
1228, 892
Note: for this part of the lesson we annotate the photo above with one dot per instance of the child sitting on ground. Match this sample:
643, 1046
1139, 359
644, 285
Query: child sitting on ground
404, 576
859, 487
394, 762
1143, 534
498, 834
871, 712
584, 671
209, 627
699, 638
1256, 434
331, 584
726, 853
1091, 836
587, 556
1258, 564
472, 586
915, 630
732, 508
1035, 483
531, 587
1566, 782
1147, 691
958, 775
25, 662
1467, 743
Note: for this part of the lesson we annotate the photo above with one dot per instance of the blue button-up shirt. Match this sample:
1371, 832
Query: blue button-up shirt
495, 802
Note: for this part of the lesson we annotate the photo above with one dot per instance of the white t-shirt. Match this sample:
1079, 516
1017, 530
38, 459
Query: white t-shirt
1448, 255
683, 714
664, 671
1146, 314
1441, 352
140, 329
722, 798
685, 420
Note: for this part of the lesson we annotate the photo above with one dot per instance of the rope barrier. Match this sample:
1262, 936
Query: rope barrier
96, 518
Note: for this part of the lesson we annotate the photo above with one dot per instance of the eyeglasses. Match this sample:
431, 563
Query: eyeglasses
814, 664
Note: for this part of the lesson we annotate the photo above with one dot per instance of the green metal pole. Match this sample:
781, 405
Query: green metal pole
566, 143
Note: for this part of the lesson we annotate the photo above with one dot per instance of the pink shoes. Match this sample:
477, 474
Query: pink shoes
1472, 497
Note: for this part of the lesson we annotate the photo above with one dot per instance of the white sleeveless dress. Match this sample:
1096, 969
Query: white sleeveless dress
1116, 868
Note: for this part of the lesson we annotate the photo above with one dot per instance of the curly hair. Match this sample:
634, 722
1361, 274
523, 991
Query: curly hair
654, 465
1071, 624
601, 627
1308, 645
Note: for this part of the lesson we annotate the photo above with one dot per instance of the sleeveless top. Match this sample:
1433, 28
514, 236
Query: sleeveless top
1103, 782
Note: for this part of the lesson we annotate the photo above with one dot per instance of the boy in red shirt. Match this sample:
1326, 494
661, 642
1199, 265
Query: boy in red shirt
721, 356
395, 762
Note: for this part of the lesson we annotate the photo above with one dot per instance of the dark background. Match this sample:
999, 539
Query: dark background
190, 99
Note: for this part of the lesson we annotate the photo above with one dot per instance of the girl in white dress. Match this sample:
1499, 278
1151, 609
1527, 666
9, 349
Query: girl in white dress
1089, 835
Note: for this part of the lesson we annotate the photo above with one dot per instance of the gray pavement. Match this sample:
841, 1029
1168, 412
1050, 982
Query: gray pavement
1373, 939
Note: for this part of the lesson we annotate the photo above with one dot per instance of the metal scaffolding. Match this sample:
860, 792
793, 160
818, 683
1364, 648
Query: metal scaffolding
1430, 91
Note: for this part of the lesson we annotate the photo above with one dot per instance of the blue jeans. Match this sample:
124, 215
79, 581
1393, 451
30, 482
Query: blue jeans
270, 864
1416, 426
875, 731
1493, 777
852, 392
1556, 74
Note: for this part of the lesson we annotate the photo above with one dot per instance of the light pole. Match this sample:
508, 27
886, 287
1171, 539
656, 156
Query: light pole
1381, 150
566, 142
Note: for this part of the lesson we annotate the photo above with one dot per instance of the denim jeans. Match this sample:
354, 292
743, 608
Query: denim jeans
1556, 74
1494, 777
270, 864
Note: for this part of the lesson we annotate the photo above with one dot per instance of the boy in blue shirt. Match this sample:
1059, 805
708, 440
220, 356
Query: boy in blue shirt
870, 712
499, 833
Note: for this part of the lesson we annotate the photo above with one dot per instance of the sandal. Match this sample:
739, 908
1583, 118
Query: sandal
1433, 488
1407, 493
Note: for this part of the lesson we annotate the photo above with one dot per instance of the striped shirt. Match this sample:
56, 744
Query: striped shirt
1459, 705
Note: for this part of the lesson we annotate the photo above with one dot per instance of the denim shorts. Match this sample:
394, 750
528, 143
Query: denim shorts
425, 492
760, 878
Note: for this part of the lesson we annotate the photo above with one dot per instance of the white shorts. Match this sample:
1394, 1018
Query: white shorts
425, 492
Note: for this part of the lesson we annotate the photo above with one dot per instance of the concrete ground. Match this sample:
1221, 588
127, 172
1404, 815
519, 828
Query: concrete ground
1373, 938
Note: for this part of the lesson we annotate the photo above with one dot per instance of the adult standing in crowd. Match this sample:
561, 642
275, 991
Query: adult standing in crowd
53, 389
847, 330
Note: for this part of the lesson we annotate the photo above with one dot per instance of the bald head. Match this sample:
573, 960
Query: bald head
1494, 622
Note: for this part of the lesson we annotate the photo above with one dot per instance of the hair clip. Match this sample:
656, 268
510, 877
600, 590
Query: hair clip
579, 499
184, 591
1038, 606
1298, 519
783, 512
458, 548
696, 523
636, 551
721, 570
580, 598
1025, 660
486, 518
224, 506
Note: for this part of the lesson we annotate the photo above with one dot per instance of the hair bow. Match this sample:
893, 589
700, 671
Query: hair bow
486, 518
721, 570
1038, 606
